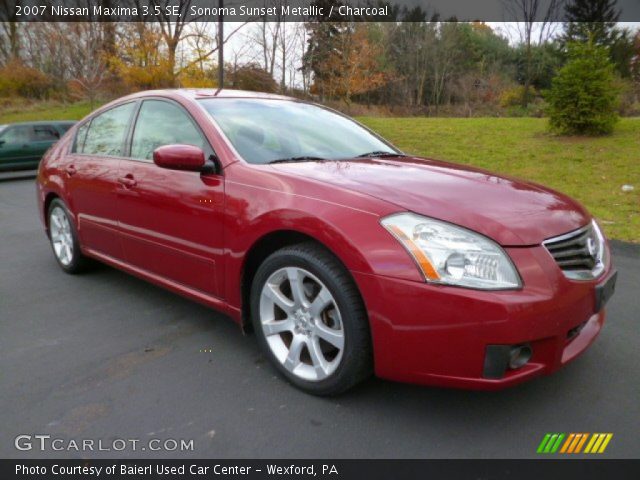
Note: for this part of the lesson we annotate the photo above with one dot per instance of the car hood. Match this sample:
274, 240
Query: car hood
510, 211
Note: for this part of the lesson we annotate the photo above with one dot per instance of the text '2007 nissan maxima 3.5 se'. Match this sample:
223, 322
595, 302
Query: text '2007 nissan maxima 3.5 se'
345, 256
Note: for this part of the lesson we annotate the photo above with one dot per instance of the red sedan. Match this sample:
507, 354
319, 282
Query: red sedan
345, 256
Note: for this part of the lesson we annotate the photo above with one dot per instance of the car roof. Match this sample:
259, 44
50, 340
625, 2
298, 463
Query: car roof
191, 94
198, 93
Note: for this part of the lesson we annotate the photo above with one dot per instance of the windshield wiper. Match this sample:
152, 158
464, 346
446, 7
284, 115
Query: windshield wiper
298, 159
381, 154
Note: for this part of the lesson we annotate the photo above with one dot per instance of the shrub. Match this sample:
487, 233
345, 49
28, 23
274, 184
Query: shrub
583, 98
253, 77
512, 97
17, 79
193, 77
629, 98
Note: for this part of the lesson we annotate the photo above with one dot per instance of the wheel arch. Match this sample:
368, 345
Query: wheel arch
50, 197
261, 249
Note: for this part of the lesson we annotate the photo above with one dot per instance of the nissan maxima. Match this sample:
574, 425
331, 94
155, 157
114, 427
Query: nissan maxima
344, 255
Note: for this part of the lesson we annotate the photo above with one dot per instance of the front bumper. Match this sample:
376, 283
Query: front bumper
439, 335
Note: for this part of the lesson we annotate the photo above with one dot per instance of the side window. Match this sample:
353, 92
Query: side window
162, 123
81, 135
107, 131
20, 134
45, 133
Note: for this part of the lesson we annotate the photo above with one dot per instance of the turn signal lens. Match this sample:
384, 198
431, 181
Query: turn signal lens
418, 255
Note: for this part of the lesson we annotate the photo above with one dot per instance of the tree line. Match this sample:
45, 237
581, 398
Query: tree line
413, 63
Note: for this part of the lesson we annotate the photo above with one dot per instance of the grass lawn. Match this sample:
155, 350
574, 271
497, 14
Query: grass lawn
592, 170
25, 112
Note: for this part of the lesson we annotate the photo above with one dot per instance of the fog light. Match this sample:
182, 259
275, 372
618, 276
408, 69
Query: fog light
519, 356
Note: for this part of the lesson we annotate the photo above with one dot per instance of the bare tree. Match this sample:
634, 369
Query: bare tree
211, 40
532, 15
288, 46
268, 34
295, 54
201, 41
10, 32
88, 66
307, 59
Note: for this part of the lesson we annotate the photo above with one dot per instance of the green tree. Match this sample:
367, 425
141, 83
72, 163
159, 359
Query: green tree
595, 21
591, 20
324, 37
583, 97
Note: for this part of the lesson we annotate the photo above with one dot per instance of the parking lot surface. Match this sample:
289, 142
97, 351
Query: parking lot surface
104, 356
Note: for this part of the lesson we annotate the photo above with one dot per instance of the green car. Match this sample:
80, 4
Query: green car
22, 145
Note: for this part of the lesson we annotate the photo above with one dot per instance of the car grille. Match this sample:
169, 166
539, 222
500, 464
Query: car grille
579, 253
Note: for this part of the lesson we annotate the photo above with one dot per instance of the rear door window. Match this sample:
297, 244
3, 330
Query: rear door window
107, 132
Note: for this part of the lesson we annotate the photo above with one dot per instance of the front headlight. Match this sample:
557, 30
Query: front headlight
453, 255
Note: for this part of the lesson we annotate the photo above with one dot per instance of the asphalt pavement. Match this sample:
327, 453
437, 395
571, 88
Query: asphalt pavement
105, 356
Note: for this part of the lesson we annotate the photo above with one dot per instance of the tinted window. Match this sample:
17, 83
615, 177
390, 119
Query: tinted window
265, 130
18, 134
162, 123
44, 133
107, 132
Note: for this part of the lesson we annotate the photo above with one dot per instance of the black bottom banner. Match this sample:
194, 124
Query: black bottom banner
545, 469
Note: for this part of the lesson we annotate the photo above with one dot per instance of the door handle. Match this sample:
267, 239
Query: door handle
71, 170
127, 181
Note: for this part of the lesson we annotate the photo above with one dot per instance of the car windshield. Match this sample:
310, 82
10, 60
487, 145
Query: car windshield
266, 131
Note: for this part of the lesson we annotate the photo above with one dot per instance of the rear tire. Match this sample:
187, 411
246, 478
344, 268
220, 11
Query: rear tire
63, 237
310, 320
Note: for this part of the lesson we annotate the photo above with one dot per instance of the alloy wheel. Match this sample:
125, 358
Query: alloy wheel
302, 324
61, 236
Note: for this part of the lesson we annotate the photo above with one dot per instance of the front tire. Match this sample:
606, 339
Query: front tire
310, 320
64, 238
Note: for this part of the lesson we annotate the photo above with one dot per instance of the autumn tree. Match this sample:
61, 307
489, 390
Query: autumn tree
353, 67
172, 29
139, 61
176, 29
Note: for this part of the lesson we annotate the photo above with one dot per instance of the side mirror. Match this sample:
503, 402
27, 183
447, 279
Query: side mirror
2, 142
179, 157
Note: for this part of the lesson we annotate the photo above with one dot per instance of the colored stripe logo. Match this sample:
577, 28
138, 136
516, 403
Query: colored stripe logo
574, 443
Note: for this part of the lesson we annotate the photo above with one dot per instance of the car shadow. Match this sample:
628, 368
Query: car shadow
373, 395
